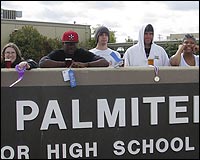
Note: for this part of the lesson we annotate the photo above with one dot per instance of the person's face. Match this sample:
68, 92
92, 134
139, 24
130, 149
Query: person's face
189, 45
103, 38
11, 54
148, 38
69, 47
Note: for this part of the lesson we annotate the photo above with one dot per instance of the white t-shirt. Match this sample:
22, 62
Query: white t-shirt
184, 63
136, 56
106, 55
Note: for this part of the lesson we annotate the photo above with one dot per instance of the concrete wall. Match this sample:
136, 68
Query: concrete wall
112, 113
102, 76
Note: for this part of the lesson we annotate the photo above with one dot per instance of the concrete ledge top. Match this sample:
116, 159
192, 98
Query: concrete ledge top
102, 76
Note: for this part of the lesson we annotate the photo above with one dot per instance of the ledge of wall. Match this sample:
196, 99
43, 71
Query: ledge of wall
102, 76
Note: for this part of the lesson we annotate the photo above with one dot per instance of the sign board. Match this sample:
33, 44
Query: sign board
133, 121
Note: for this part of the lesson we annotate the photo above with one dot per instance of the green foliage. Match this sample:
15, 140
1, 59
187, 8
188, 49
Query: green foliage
32, 44
89, 44
171, 48
112, 37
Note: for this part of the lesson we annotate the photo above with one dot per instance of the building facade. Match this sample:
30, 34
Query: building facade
10, 14
48, 29
180, 36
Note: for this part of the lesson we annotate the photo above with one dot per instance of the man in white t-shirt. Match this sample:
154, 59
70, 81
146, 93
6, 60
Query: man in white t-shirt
138, 54
102, 37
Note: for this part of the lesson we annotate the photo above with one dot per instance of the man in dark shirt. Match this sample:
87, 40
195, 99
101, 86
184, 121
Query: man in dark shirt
80, 58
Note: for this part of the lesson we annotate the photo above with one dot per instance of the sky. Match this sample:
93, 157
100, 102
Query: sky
124, 17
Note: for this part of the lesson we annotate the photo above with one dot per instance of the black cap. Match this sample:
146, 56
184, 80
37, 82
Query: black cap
149, 28
101, 30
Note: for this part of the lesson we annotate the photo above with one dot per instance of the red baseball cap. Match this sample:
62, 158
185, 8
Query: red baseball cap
70, 36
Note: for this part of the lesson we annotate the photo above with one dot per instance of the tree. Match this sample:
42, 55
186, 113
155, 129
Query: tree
112, 37
32, 44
